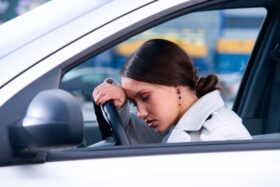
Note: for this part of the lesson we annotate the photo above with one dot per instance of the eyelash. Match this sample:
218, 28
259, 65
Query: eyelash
145, 98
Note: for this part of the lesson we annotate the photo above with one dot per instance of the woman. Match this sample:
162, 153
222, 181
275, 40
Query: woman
159, 78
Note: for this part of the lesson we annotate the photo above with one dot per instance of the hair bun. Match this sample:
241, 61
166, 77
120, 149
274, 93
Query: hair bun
206, 84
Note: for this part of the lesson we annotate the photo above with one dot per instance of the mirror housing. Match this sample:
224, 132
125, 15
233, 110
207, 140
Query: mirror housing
53, 119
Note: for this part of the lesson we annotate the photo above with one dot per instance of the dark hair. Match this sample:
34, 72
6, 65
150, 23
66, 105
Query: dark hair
162, 62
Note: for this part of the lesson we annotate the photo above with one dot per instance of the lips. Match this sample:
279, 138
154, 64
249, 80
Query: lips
151, 123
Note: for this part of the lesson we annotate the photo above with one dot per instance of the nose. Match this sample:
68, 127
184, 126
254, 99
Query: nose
142, 113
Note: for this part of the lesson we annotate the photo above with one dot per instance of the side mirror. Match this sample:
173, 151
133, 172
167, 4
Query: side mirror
53, 119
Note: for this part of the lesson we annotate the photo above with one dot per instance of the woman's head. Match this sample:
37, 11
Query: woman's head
162, 62
168, 73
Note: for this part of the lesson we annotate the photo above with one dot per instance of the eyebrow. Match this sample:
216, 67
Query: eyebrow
141, 92
135, 95
138, 93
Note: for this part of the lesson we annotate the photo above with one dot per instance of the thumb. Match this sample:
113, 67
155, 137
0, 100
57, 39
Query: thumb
117, 103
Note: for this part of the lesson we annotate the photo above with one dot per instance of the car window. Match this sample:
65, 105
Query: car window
219, 42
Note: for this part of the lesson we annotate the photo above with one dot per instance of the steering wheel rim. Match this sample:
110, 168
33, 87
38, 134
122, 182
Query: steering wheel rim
111, 115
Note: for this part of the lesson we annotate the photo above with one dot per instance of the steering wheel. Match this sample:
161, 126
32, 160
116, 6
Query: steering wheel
112, 117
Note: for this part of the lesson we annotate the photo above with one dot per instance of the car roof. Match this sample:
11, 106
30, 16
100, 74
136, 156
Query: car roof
55, 22
40, 21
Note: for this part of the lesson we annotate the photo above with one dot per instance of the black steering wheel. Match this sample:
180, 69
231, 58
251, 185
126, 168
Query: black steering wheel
110, 123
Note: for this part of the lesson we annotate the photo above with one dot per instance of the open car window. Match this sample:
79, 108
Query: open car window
219, 42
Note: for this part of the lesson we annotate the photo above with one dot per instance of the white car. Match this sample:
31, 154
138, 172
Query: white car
39, 47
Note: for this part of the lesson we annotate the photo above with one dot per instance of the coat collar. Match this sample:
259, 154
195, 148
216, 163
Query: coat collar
195, 117
197, 114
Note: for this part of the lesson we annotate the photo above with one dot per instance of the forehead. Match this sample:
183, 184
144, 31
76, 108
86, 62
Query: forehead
133, 87
131, 84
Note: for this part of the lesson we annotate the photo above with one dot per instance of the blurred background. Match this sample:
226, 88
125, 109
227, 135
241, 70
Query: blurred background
219, 42
10, 9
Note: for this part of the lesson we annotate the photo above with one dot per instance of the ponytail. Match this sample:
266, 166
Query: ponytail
205, 85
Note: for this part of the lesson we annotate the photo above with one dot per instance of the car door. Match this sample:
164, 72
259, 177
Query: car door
216, 163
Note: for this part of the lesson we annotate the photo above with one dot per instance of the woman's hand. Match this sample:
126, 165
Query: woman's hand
107, 91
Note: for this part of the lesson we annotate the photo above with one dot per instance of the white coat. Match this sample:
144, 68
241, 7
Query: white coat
206, 120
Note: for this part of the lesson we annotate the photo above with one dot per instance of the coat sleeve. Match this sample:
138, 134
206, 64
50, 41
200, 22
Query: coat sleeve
137, 130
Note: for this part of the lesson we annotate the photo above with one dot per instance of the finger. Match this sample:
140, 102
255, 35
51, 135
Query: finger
104, 99
106, 91
98, 94
117, 103
99, 91
95, 91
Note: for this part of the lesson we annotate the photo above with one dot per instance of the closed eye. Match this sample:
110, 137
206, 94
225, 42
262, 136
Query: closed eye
145, 98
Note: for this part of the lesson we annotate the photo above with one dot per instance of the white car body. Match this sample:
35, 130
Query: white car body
202, 169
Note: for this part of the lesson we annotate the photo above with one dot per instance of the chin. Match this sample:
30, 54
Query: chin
161, 130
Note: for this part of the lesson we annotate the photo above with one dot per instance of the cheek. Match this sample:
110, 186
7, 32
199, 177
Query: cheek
165, 109
169, 112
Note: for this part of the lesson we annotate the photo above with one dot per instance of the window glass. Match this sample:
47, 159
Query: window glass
219, 42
